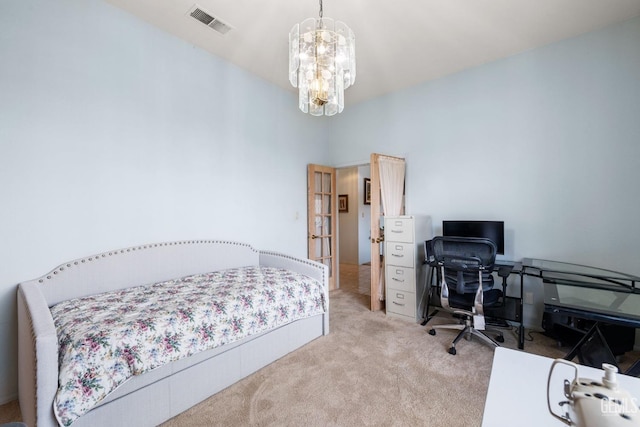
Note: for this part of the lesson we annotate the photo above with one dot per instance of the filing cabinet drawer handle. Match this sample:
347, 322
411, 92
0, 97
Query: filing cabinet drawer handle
401, 305
397, 280
397, 255
396, 231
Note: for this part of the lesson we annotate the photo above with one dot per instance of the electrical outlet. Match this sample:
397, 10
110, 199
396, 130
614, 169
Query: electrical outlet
528, 298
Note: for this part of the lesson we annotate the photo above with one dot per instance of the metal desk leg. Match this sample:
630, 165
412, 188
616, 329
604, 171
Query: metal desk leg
521, 308
429, 294
594, 330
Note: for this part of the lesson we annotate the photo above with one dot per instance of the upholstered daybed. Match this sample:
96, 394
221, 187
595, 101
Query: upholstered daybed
125, 280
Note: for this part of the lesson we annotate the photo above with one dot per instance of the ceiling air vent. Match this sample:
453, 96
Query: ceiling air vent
209, 20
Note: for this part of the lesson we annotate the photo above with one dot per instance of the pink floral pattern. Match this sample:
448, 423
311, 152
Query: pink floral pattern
107, 338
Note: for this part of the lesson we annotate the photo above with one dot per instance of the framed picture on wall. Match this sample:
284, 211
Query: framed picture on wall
343, 203
367, 191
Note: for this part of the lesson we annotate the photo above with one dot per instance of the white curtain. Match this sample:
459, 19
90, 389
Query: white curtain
391, 185
391, 189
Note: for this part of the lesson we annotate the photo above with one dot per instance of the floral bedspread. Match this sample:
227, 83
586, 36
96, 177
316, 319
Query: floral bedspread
107, 338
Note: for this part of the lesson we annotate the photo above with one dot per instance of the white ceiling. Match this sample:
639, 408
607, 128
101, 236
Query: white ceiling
399, 43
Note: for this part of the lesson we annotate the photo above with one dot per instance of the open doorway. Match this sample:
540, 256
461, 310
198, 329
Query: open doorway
354, 229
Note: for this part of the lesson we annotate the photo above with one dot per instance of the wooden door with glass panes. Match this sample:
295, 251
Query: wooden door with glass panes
321, 212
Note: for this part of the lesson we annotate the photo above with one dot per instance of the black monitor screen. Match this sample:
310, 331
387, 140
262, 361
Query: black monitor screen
492, 230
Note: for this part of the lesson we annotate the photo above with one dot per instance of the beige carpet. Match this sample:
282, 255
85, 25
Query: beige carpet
369, 371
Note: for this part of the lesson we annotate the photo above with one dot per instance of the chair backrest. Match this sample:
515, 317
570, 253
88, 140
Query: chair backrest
462, 258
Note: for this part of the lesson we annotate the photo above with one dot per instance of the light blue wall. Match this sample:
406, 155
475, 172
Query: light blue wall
347, 184
547, 140
114, 133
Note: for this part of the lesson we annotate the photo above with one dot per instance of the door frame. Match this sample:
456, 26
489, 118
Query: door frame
377, 237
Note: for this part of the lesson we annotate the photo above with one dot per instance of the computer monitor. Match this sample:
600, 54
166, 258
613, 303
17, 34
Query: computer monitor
492, 230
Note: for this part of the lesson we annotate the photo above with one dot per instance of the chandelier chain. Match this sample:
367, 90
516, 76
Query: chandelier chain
320, 9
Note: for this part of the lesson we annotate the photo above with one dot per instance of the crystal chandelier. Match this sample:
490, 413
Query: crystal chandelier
322, 64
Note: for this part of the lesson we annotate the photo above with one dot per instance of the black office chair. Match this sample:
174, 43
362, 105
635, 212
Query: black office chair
465, 266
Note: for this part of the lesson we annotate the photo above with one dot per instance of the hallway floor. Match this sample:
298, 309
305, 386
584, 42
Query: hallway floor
355, 278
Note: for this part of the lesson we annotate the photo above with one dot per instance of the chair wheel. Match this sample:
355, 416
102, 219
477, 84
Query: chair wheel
432, 331
452, 350
500, 338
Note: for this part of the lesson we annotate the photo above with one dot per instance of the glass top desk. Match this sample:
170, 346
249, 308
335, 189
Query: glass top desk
564, 273
590, 293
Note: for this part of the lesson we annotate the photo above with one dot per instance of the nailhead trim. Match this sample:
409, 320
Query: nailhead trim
91, 258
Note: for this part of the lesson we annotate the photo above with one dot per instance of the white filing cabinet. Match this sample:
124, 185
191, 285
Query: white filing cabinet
404, 238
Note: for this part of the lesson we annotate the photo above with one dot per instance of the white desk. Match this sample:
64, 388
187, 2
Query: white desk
517, 393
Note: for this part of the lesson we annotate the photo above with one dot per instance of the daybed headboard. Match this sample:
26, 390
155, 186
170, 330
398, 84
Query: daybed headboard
140, 265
